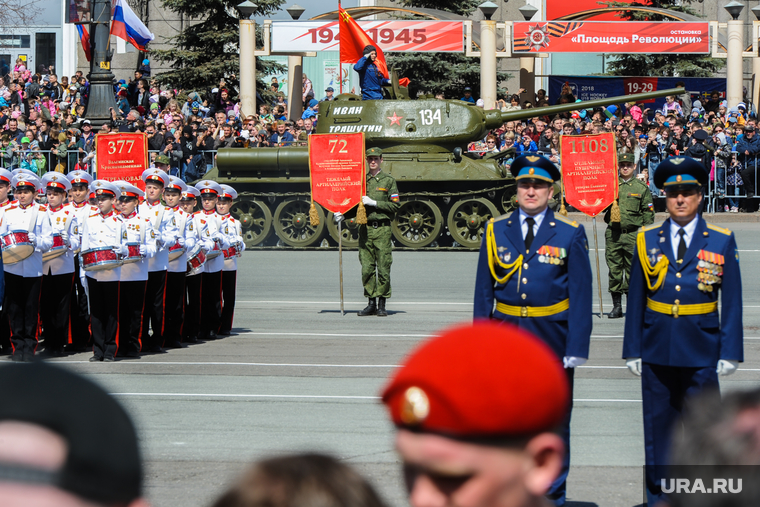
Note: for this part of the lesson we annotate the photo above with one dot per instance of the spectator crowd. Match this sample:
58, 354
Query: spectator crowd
44, 129
724, 139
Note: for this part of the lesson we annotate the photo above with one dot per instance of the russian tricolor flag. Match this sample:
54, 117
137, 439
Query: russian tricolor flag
126, 25
85, 38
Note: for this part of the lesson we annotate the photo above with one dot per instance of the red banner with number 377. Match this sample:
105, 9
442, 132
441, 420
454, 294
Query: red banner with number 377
589, 171
122, 156
337, 169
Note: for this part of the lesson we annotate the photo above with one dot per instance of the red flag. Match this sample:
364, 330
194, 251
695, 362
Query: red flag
353, 40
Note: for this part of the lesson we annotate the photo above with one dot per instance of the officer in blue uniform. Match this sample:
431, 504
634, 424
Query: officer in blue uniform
675, 339
534, 272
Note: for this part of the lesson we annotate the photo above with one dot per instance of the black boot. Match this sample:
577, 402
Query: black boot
371, 308
381, 308
617, 306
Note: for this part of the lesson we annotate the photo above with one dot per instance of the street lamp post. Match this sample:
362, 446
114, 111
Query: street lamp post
488, 55
101, 78
247, 57
734, 70
295, 74
528, 63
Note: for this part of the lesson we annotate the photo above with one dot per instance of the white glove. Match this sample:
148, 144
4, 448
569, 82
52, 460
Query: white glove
573, 362
368, 202
143, 250
65, 238
634, 365
217, 236
181, 241
33, 238
726, 367
122, 249
338, 217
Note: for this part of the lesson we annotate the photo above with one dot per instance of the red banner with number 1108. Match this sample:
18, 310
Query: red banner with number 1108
589, 171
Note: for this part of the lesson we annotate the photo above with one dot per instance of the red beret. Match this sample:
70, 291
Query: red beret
480, 380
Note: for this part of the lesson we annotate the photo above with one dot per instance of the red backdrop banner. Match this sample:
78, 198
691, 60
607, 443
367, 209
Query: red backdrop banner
338, 175
122, 156
612, 37
589, 171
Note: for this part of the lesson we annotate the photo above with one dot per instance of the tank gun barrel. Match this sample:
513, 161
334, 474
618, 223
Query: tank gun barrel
496, 118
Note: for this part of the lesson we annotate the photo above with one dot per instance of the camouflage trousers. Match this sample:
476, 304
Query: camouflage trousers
376, 258
618, 252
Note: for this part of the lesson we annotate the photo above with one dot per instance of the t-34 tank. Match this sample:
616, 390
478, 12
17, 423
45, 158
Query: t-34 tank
447, 193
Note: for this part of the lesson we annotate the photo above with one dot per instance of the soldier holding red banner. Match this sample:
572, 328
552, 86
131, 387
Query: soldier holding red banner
375, 249
534, 272
636, 211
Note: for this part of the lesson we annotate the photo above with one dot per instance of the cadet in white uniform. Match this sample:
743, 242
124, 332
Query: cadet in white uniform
164, 224
81, 340
58, 272
229, 271
23, 279
138, 230
5, 326
211, 283
190, 328
175, 276
100, 230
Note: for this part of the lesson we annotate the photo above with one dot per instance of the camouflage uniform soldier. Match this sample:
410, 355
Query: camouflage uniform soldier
636, 211
375, 238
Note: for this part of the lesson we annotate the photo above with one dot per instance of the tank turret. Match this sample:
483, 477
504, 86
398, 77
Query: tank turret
447, 193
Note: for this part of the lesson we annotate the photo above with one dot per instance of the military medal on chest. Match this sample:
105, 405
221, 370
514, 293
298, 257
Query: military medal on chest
552, 255
710, 267
505, 257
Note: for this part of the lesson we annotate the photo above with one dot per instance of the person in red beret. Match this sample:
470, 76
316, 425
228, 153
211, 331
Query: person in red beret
479, 410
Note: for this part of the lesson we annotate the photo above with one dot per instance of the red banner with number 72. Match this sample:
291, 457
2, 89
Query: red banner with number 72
122, 156
338, 173
589, 171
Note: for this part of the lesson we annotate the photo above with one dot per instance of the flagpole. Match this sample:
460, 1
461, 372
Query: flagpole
340, 64
598, 275
340, 263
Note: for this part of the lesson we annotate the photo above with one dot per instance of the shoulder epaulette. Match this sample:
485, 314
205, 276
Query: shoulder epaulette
93, 215
565, 220
649, 227
722, 230
43, 207
500, 217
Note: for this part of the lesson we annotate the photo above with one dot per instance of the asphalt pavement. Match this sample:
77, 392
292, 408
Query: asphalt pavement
299, 376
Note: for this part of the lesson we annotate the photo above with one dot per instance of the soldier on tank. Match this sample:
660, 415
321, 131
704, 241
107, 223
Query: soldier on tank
636, 210
375, 250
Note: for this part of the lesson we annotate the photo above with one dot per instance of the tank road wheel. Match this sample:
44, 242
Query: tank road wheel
291, 223
255, 220
349, 229
509, 199
417, 224
467, 219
